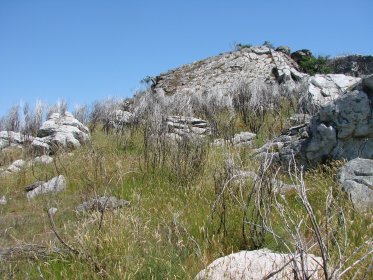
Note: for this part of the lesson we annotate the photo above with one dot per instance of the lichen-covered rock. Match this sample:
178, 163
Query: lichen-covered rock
259, 264
356, 179
60, 131
102, 203
56, 184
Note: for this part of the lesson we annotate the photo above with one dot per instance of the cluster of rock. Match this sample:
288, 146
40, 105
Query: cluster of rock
262, 264
56, 184
102, 203
179, 126
342, 129
10, 138
60, 131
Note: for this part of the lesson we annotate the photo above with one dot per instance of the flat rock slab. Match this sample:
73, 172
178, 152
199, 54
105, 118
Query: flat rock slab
102, 203
356, 179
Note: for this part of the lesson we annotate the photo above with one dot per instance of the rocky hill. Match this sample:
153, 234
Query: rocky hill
238, 166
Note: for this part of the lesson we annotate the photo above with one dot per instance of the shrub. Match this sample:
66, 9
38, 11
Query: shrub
314, 65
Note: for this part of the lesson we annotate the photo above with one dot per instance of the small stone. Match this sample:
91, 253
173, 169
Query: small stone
3, 200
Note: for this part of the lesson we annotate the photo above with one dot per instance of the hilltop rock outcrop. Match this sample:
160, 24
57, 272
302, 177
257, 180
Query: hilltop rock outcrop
60, 131
222, 72
260, 264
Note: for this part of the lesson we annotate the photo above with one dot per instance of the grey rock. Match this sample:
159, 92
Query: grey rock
239, 139
10, 138
60, 131
102, 203
187, 126
325, 88
256, 265
44, 159
16, 166
56, 184
3, 200
356, 179
120, 118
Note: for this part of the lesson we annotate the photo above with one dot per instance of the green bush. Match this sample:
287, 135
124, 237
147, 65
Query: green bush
314, 65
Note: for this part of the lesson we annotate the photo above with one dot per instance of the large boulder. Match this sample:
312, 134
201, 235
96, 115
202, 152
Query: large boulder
259, 264
56, 184
356, 179
325, 88
60, 131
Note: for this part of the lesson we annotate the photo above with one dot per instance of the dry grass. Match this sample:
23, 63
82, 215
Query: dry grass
168, 232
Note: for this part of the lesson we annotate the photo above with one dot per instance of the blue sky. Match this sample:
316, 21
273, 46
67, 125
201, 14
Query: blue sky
86, 50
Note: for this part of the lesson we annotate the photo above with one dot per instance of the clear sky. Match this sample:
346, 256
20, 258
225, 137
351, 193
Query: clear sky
85, 50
